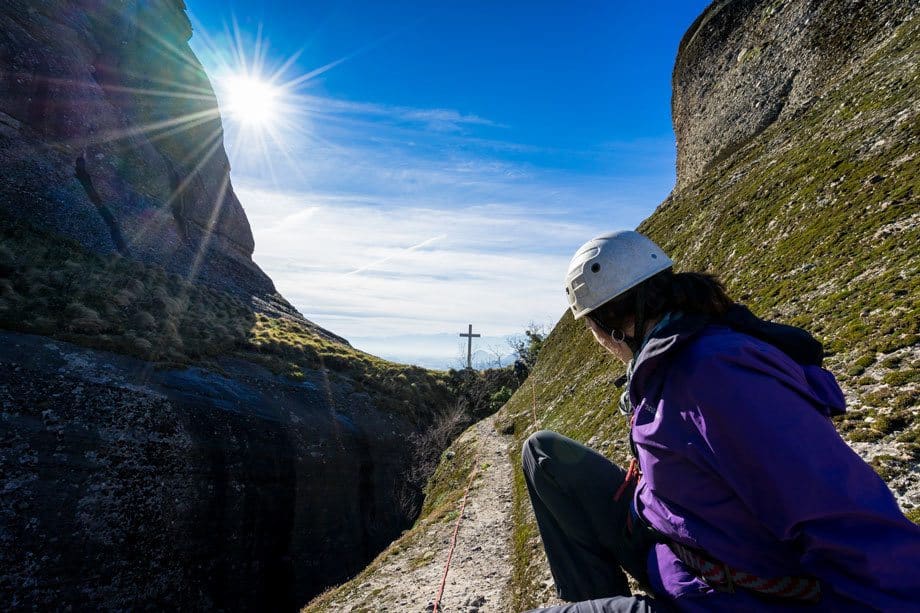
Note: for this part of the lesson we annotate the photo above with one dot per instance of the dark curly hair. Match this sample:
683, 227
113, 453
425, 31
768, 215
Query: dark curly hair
667, 291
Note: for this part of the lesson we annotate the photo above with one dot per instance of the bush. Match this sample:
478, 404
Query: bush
425, 450
499, 398
527, 346
476, 390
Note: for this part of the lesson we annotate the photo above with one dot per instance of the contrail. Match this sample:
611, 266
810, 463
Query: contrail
422, 244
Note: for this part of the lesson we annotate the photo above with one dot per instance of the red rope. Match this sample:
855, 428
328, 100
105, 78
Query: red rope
533, 389
453, 542
631, 474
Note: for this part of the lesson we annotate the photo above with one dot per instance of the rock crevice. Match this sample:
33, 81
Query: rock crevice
87, 182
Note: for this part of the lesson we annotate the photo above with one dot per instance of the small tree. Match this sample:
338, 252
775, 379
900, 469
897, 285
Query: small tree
499, 398
526, 347
497, 354
425, 448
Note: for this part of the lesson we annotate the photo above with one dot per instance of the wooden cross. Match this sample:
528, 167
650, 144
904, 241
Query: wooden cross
469, 345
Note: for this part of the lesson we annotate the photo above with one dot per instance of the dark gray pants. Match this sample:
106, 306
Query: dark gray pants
572, 490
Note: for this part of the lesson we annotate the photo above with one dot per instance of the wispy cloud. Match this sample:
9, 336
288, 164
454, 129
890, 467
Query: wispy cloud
382, 228
438, 119
498, 266
386, 259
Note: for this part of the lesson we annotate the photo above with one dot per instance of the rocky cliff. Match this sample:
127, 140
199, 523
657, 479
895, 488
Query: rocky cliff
173, 434
129, 487
798, 133
744, 65
110, 135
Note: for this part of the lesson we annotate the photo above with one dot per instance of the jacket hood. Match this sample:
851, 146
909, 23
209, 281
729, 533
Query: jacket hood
681, 328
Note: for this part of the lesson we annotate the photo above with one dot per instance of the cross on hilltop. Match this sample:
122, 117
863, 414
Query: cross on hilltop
469, 345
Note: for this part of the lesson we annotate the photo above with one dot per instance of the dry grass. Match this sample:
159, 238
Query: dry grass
52, 287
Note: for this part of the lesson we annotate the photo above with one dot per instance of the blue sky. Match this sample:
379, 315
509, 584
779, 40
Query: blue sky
429, 165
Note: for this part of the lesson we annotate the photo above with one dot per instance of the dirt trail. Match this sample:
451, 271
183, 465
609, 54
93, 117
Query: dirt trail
480, 568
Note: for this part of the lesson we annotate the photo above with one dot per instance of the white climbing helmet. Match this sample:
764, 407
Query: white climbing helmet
608, 265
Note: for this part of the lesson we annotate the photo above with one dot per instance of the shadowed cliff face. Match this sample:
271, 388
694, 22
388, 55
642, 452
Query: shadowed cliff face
127, 487
115, 88
243, 458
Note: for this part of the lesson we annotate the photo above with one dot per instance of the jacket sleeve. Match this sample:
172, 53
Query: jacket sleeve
790, 467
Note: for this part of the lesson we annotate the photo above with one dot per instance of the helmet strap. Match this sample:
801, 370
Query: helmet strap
634, 342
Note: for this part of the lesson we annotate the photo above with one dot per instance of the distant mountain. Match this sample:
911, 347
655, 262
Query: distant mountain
438, 351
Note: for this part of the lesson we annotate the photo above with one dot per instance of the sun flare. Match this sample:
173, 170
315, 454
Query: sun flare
261, 101
252, 101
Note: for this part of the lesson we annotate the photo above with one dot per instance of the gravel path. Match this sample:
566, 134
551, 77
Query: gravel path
480, 568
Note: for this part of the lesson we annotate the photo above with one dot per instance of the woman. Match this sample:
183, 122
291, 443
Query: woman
741, 495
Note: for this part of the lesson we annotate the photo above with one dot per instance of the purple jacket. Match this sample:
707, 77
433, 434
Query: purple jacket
740, 459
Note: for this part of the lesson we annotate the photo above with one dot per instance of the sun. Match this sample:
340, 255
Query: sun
262, 104
252, 101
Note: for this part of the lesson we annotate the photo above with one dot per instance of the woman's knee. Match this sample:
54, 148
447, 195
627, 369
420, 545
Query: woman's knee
559, 456
538, 443
534, 449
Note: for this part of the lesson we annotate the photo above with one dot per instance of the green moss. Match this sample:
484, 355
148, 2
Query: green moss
887, 466
860, 365
892, 422
447, 485
892, 362
880, 397
890, 467
902, 377
914, 515
865, 435
911, 436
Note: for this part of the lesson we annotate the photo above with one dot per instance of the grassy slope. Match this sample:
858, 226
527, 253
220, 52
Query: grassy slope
52, 287
815, 222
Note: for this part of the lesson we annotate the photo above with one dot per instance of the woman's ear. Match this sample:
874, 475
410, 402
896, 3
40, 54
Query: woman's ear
619, 349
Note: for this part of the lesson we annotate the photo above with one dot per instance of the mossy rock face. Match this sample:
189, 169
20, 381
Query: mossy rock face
815, 222
813, 219
54, 287
744, 65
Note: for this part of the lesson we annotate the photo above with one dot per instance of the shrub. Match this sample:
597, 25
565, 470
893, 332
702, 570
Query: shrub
87, 325
499, 398
143, 320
